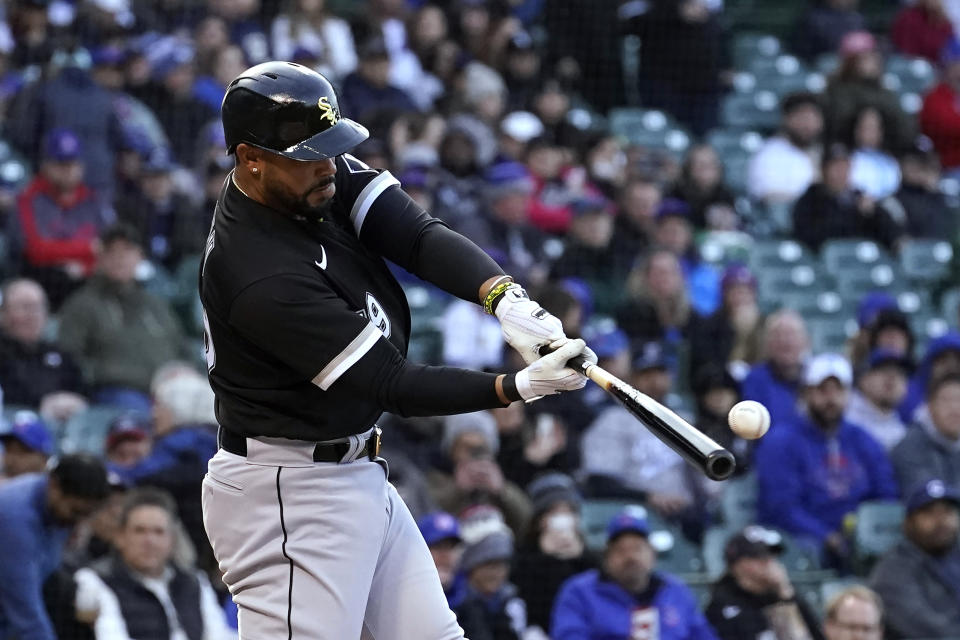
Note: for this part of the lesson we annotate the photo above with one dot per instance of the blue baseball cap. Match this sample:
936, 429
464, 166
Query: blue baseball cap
62, 145
28, 429
439, 526
737, 273
673, 207
159, 160
872, 304
591, 204
929, 492
608, 343
630, 520
881, 357
650, 355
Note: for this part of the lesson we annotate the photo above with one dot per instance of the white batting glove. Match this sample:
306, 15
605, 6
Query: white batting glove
526, 326
550, 374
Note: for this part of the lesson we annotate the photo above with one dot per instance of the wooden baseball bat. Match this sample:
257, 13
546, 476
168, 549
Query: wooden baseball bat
692, 444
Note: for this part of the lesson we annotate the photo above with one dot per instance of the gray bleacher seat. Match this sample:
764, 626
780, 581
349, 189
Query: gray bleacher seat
767, 253
650, 128
747, 47
830, 333
87, 431
723, 247
950, 306
854, 281
915, 75
714, 542
840, 254
816, 303
774, 282
759, 110
878, 528
925, 260
738, 502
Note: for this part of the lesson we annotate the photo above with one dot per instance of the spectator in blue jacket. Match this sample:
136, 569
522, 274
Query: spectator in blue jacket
813, 473
775, 382
185, 440
26, 446
37, 514
441, 532
626, 597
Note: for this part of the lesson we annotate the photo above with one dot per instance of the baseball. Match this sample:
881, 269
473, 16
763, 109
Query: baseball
749, 419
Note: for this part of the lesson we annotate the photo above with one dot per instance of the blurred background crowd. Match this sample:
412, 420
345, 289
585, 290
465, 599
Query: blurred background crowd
728, 199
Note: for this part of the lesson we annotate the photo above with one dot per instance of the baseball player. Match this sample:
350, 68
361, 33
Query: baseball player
306, 331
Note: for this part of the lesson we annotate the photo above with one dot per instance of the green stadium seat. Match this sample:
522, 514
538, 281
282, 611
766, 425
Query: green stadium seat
595, 515
758, 110
87, 431
925, 260
714, 542
856, 280
950, 306
797, 558
913, 75
735, 170
727, 141
649, 128
878, 528
723, 247
830, 334
927, 326
771, 253
911, 103
775, 282
811, 304
675, 554
830, 588
827, 63
838, 255
747, 47
738, 502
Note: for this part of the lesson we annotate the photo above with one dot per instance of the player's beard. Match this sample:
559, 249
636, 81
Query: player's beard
298, 204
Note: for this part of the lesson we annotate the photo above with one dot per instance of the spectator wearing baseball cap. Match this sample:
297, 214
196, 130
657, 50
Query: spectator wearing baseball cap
754, 597
554, 548
932, 445
881, 385
919, 578
627, 597
813, 473
492, 607
731, 335
128, 439
941, 358
58, 219
26, 446
441, 532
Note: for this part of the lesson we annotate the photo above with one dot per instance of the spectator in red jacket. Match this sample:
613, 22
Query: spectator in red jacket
59, 219
922, 30
940, 116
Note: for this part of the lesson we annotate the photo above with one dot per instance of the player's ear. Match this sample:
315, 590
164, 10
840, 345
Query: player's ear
249, 158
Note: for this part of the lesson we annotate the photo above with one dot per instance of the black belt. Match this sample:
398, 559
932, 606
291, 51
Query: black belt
323, 452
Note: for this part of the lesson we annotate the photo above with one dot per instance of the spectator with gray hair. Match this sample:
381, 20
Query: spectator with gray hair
471, 475
185, 440
854, 612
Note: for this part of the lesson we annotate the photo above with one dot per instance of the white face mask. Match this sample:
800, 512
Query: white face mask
610, 167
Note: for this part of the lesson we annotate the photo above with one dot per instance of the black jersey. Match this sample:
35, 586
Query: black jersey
291, 304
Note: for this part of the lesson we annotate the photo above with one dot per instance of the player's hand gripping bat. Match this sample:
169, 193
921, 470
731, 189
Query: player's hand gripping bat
692, 444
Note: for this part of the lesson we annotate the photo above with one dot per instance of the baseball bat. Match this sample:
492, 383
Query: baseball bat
692, 444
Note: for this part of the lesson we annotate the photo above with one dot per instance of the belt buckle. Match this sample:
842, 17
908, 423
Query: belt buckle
374, 446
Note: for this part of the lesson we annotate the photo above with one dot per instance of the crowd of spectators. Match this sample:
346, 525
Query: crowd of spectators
490, 113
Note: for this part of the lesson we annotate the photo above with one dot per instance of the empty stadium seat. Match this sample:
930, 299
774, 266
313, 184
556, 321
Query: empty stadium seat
767, 253
649, 128
774, 282
830, 333
714, 542
914, 75
595, 515
811, 304
925, 260
87, 431
724, 247
838, 255
758, 110
747, 47
738, 502
950, 306
878, 528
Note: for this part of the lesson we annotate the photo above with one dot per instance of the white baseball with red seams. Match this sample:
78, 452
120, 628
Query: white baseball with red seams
749, 419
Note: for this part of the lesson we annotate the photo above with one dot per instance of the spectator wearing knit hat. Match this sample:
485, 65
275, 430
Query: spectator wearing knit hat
492, 610
473, 477
553, 549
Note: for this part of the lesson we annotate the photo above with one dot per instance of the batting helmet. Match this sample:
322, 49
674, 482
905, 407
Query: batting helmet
288, 109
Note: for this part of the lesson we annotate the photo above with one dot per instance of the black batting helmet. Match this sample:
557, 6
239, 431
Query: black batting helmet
288, 109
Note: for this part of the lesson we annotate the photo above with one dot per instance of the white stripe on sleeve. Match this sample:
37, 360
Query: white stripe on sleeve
348, 357
367, 197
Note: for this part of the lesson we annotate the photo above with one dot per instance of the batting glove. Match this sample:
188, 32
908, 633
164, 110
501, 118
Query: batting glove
526, 326
550, 374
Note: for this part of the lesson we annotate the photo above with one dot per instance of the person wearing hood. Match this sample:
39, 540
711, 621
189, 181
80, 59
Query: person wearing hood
755, 598
932, 446
942, 357
881, 384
